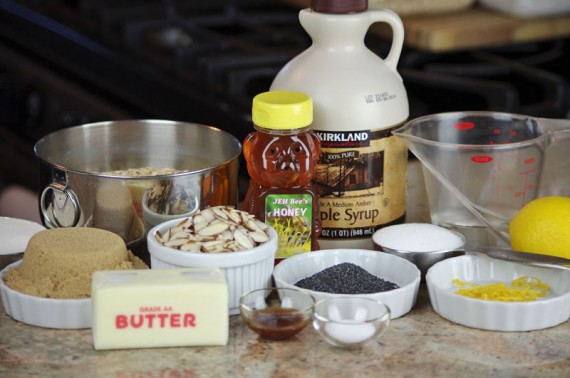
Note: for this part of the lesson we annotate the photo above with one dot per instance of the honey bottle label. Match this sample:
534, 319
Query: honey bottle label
361, 182
291, 215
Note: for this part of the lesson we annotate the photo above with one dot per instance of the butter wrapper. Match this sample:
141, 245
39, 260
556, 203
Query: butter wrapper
159, 308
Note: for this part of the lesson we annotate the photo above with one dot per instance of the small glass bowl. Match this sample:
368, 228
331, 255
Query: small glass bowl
276, 313
350, 322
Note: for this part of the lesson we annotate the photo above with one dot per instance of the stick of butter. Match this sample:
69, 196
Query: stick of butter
159, 308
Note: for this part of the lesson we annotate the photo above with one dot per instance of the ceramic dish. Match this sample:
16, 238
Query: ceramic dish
244, 270
388, 267
14, 236
492, 315
44, 312
152, 218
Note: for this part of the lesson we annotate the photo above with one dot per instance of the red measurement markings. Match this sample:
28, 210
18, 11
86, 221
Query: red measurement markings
527, 186
464, 125
481, 159
529, 161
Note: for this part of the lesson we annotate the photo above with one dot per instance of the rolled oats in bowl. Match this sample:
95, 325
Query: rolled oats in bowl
144, 171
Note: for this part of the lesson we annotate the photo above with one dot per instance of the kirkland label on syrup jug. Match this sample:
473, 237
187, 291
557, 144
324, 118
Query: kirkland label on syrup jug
361, 182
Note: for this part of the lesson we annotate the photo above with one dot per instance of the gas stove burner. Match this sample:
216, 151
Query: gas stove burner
525, 79
171, 36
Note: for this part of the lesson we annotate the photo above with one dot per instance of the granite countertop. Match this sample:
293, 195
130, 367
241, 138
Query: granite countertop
418, 344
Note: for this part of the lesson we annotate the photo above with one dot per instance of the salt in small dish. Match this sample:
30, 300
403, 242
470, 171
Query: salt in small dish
350, 322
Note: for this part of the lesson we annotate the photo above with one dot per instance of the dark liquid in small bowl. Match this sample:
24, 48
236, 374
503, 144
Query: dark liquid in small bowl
276, 323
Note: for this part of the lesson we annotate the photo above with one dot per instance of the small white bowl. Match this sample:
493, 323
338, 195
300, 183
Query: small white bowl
244, 270
543, 313
44, 312
388, 267
350, 322
152, 218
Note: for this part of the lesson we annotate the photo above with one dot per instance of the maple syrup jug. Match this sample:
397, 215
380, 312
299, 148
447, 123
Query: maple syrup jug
359, 99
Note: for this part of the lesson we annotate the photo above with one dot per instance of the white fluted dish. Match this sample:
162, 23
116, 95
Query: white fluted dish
44, 312
542, 313
388, 267
244, 270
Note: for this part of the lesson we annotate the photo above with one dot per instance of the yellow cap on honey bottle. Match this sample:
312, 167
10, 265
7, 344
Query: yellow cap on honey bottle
282, 110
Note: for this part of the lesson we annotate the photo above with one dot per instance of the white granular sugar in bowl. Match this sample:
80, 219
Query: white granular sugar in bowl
418, 237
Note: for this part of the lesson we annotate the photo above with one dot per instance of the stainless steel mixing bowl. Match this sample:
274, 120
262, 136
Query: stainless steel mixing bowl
78, 185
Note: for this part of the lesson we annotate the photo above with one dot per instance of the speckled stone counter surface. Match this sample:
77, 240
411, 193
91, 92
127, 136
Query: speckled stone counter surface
418, 344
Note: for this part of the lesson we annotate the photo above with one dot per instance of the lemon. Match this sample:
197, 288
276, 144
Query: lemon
542, 226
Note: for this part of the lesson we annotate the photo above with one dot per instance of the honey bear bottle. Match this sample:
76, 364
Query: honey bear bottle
281, 158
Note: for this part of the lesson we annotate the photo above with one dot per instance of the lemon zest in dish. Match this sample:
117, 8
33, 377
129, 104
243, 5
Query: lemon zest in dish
522, 289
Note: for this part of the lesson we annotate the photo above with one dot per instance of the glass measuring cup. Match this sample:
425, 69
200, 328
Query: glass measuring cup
481, 167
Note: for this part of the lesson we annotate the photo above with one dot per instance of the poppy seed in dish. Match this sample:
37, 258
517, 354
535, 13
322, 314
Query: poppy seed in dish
346, 278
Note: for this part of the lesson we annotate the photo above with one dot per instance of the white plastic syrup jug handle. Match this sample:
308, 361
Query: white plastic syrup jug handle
395, 22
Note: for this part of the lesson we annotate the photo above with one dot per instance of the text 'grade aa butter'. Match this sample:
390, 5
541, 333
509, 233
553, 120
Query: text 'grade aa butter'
159, 308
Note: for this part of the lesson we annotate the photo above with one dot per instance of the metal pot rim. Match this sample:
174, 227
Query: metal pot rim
59, 133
